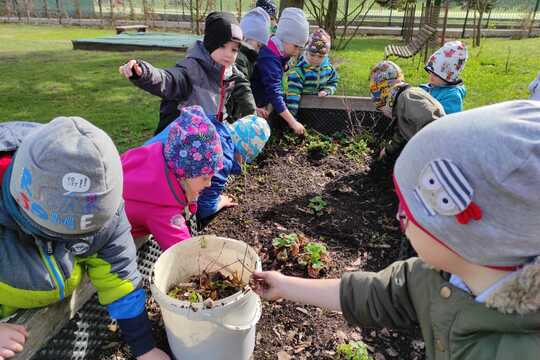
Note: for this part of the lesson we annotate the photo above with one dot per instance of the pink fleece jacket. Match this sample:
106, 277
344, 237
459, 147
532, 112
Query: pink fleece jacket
151, 204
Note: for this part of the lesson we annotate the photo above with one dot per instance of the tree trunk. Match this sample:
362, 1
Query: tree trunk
466, 18
330, 18
46, 8
290, 3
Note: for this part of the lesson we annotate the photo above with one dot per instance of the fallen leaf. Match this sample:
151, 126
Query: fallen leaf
282, 355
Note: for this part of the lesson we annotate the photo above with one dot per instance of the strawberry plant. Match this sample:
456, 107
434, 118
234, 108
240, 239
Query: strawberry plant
317, 204
315, 257
285, 245
354, 350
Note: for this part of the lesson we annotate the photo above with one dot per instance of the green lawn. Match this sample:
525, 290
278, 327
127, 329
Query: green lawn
42, 77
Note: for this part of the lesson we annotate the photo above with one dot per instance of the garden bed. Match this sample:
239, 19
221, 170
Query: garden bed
356, 224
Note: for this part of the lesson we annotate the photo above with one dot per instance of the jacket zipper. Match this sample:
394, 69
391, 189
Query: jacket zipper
221, 96
51, 265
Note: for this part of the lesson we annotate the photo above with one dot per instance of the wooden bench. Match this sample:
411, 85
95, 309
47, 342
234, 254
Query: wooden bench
123, 28
414, 46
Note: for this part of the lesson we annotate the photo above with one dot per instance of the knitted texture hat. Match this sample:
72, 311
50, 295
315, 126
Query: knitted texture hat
256, 25
267, 5
293, 27
219, 29
383, 78
470, 180
249, 135
319, 42
193, 147
67, 177
448, 62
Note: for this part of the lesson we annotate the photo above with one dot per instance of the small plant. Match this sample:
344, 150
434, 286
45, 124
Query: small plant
357, 149
354, 350
285, 245
317, 204
319, 146
315, 257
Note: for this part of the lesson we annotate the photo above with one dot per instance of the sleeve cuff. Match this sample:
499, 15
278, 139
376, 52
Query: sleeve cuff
137, 333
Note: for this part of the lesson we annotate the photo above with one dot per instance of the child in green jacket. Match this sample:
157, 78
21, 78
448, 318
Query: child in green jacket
313, 74
469, 204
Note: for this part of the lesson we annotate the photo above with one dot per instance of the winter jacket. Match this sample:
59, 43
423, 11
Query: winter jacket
450, 96
413, 109
37, 270
267, 77
208, 199
244, 103
453, 324
307, 79
195, 80
155, 201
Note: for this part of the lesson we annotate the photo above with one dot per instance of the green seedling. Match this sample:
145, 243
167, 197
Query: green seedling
315, 257
354, 350
317, 204
285, 245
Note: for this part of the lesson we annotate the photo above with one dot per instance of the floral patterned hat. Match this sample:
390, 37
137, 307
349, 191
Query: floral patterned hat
319, 42
448, 62
384, 77
193, 147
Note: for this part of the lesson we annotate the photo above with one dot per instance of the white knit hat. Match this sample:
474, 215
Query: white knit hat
448, 62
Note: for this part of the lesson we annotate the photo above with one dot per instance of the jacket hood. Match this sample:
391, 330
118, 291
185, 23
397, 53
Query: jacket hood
521, 294
199, 53
250, 53
12, 134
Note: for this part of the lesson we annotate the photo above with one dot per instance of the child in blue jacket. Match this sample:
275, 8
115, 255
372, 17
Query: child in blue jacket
61, 216
241, 142
313, 74
444, 67
291, 37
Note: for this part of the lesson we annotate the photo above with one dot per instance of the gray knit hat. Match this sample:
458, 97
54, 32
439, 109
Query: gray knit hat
256, 25
67, 177
471, 180
293, 27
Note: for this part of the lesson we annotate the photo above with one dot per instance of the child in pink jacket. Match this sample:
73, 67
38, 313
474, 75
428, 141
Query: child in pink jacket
162, 181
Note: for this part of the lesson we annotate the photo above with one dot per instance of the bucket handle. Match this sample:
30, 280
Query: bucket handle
165, 301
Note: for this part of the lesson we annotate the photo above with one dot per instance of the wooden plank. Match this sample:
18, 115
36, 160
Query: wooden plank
77, 45
353, 103
121, 28
43, 323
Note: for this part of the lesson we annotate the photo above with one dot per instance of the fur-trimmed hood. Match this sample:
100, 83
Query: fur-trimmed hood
521, 294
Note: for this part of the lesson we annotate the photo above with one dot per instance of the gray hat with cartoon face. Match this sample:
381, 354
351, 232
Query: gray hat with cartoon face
471, 179
67, 177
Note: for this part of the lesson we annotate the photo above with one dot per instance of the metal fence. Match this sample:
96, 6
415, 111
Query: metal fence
508, 14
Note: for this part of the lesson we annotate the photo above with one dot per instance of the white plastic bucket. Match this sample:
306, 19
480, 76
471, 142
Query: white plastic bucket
227, 330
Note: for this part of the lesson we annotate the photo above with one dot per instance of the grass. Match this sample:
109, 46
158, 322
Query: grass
44, 78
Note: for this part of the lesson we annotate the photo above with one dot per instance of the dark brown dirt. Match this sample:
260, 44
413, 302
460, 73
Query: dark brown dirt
358, 226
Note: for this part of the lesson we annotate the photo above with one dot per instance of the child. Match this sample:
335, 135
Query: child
410, 108
62, 214
534, 88
255, 27
313, 74
470, 207
444, 67
162, 181
291, 36
271, 9
241, 141
206, 77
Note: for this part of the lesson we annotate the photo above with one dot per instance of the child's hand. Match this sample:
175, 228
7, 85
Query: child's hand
268, 284
12, 339
127, 69
154, 354
226, 202
297, 127
323, 93
261, 112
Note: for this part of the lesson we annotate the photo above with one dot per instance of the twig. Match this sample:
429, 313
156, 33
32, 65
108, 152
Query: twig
243, 263
216, 259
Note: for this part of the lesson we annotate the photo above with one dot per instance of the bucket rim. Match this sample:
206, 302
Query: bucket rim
201, 307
